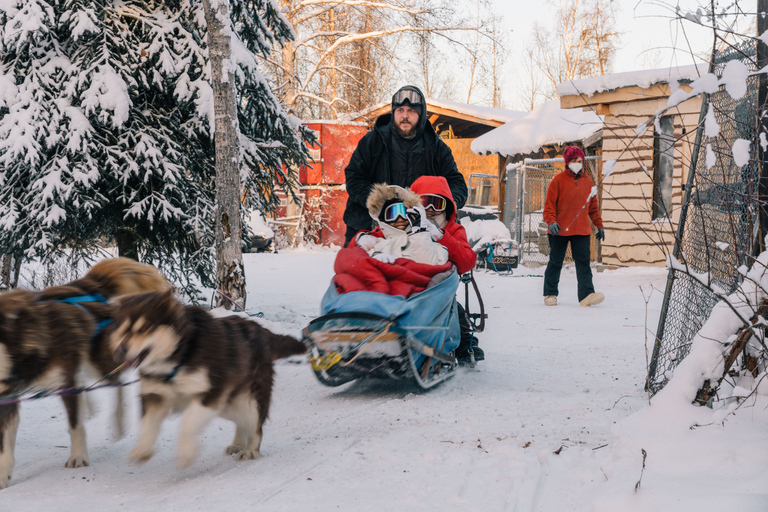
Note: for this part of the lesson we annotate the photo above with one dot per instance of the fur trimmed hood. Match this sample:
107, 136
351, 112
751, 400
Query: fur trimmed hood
381, 193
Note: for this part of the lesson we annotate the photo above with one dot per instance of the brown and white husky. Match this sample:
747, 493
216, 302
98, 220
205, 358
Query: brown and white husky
191, 362
45, 342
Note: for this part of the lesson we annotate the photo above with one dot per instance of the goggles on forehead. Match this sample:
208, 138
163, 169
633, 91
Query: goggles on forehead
437, 203
393, 211
404, 95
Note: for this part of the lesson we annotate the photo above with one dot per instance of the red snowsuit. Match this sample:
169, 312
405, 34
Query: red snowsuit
454, 239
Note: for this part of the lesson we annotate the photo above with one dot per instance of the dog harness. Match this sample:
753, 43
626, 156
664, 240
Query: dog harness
95, 297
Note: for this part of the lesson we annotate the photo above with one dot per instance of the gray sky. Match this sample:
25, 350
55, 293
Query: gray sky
651, 37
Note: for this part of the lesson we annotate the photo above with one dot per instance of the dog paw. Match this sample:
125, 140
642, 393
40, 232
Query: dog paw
5, 481
186, 460
187, 454
77, 462
248, 455
234, 448
140, 455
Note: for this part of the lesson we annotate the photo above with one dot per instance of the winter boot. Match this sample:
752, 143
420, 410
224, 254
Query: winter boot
592, 299
550, 300
466, 352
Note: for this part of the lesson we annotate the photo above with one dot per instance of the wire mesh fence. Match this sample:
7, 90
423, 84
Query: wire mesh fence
718, 222
526, 193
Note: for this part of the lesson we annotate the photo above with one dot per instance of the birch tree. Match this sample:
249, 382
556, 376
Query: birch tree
348, 52
230, 274
582, 44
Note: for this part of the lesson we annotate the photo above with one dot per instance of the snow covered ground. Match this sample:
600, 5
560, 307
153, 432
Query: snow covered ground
554, 420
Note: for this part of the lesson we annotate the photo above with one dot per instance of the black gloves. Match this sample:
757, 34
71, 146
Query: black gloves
554, 229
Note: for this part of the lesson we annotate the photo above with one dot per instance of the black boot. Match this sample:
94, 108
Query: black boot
465, 355
468, 345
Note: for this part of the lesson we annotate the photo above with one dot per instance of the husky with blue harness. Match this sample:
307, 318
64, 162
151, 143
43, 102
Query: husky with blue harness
47, 338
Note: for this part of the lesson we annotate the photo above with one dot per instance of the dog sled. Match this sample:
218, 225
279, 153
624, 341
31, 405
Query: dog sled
364, 334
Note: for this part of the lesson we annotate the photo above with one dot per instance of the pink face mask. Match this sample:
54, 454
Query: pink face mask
575, 167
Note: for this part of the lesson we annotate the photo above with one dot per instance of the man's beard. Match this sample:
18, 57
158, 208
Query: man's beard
406, 134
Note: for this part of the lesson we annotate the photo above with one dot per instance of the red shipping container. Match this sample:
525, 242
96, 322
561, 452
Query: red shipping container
323, 181
336, 143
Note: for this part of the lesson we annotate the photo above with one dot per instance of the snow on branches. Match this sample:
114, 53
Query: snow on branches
106, 116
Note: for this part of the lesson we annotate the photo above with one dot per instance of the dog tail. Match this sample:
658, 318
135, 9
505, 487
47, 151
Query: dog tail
281, 346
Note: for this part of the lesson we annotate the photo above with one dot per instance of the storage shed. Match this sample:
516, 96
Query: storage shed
645, 162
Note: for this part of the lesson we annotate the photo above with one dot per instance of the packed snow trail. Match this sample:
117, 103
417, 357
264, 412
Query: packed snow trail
530, 429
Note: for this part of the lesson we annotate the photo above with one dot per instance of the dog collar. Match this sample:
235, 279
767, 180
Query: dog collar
168, 378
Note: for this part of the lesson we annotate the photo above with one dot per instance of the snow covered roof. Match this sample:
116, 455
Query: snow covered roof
333, 121
545, 124
498, 115
489, 113
645, 78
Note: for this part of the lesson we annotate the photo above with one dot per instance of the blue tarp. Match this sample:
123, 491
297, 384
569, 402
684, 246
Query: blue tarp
433, 310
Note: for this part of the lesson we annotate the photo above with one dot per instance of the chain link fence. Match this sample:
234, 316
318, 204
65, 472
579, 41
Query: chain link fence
526, 192
718, 222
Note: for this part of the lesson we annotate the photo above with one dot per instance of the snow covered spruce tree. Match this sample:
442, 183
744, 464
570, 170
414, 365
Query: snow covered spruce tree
106, 124
253, 132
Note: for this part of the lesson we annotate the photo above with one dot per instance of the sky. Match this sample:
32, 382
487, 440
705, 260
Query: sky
651, 37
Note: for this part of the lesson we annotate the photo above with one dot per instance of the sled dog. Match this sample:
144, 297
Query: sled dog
48, 337
192, 362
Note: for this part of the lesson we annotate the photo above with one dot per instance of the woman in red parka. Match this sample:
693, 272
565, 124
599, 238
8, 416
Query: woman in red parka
438, 202
571, 203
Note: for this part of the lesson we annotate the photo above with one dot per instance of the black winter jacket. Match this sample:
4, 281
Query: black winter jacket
369, 164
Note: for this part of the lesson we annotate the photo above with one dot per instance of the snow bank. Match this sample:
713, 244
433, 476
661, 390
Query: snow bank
545, 124
645, 78
705, 360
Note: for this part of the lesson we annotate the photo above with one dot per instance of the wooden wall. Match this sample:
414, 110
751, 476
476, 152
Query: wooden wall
627, 194
469, 162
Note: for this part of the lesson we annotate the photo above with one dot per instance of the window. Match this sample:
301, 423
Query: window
663, 167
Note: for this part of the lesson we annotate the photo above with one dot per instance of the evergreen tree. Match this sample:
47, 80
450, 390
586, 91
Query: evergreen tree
106, 118
272, 144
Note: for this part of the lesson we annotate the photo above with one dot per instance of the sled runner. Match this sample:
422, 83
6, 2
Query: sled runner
368, 334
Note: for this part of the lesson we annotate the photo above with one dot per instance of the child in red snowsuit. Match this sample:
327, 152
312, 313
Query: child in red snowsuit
438, 202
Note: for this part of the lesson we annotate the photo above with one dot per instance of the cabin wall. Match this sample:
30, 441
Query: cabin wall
632, 237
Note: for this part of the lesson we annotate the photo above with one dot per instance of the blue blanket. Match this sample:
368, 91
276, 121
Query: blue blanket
430, 316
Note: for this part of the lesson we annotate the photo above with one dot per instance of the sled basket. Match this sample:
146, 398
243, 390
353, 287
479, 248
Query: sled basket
414, 341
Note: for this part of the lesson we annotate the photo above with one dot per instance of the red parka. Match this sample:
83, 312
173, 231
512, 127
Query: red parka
571, 203
454, 238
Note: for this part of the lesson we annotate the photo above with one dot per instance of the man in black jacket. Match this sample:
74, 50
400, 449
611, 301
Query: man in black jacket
401, 147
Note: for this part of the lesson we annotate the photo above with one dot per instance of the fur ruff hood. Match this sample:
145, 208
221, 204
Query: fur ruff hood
381, 193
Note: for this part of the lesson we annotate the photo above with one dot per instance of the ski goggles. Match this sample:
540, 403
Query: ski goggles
437, 203
404, 95
393, 211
